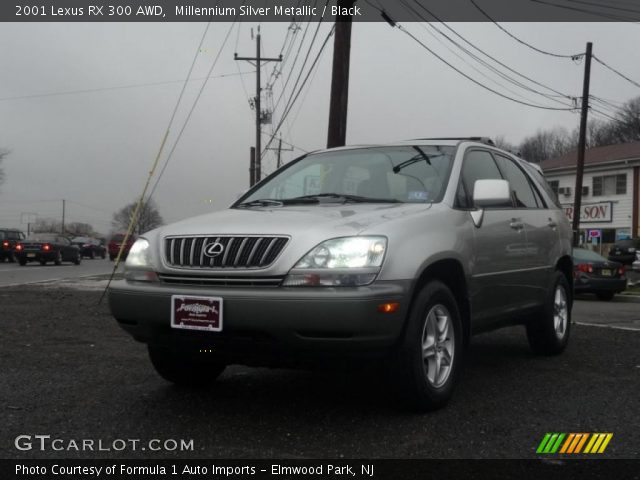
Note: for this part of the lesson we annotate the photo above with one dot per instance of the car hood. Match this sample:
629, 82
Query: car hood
321, 220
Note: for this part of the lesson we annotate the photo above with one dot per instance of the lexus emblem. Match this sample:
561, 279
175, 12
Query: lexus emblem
212, 250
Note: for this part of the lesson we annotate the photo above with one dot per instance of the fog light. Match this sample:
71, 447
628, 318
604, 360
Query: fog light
388, 307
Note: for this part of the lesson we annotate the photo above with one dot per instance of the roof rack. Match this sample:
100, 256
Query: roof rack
485, 140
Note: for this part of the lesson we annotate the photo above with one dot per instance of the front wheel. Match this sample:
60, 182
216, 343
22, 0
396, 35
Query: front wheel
431, 353
184, 369
549, 334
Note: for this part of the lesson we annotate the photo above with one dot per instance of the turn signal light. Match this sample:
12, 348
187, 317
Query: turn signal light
388, 307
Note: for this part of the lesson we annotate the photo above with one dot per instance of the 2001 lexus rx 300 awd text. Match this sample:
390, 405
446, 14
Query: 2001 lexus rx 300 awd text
398, 251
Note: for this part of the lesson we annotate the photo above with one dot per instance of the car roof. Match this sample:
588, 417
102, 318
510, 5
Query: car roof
444, 141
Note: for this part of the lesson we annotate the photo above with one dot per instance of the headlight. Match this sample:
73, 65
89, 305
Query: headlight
139, 255
348, 261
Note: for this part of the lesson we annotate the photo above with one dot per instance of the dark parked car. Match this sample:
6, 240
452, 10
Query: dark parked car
116, 242
595, 274
9, 237
90, 247
47, 247
624, 251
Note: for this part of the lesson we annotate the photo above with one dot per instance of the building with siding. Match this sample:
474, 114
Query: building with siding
610, 190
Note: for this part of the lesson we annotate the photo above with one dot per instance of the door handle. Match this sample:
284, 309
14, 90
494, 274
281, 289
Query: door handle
516, 224
552, 224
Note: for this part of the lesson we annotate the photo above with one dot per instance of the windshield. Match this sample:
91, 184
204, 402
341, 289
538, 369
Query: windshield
415, 174
42, 237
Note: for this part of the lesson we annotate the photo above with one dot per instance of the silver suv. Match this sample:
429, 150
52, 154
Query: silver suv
397, 252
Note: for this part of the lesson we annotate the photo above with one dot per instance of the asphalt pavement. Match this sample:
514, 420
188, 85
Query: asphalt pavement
69, 372
15, 274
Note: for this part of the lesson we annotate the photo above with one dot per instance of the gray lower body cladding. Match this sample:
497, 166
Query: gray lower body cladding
267, 323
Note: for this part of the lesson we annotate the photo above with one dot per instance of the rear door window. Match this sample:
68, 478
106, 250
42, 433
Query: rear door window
478, 165
521, 189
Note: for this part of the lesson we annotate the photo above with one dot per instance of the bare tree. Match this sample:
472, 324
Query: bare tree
148, 219
546, 144
46, 225
78, 229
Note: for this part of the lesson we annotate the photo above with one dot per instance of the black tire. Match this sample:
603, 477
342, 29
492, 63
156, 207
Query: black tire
112, 257
605, 296
58, 259
43, 262
78, 259
22, 261
103, 255
549, 333
11, 258
183, 369
92, 255
421, 385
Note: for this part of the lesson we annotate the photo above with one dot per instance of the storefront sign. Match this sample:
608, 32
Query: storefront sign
592, 212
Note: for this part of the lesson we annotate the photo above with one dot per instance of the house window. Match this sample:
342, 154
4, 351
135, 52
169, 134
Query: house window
554, 184
610, 185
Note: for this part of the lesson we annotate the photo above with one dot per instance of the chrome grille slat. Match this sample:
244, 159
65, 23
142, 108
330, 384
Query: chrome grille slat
266, 252
240, 252
221, 281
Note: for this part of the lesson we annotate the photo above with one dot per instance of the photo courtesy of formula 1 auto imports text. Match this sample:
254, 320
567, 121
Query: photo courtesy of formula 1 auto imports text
326, 239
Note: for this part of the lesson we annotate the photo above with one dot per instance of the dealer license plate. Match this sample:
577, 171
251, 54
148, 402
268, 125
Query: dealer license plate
605, 272
196, 313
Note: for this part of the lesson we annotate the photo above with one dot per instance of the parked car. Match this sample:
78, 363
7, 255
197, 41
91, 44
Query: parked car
624, 251
90, 247
595, 274
116, 242
9, 237
47, 247
397, 253
635, 266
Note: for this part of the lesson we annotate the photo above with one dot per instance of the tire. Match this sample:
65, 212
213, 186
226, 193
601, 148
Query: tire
605, 296
183, 369
433, 336
103, 255
92, 255
43, 262
549, 334
58, 259
22, 262
78, 259
112, 257
11, 258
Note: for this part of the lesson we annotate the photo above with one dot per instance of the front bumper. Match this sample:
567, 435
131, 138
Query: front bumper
269, 320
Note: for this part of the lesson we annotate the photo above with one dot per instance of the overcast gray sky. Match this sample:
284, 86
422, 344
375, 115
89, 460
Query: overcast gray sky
95, 149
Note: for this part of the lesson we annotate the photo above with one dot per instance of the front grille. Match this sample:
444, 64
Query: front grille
220, 281
237, 252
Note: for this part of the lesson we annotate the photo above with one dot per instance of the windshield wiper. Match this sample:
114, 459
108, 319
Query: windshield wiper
418, 158
263, 202
340, 197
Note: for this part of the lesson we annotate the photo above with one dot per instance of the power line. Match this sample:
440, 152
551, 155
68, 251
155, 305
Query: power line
193, 107
602, 5
480, 84
561, 94
120, 87
616, 71
518, 39
294, 98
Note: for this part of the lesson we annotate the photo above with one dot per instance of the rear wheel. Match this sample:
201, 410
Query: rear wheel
58, 259
43, 262
432, 349
605, 296
22, 261
185, 369
549, 334
92, 255
78, 259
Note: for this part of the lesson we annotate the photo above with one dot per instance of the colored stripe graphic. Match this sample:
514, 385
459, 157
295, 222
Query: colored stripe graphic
573, 443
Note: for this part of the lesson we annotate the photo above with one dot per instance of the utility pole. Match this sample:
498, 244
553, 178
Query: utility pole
339, 102
279, 150
582, 143
252, 166
258, 59
63, 212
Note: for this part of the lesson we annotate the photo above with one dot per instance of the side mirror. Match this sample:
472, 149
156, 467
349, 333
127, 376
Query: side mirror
488, 193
